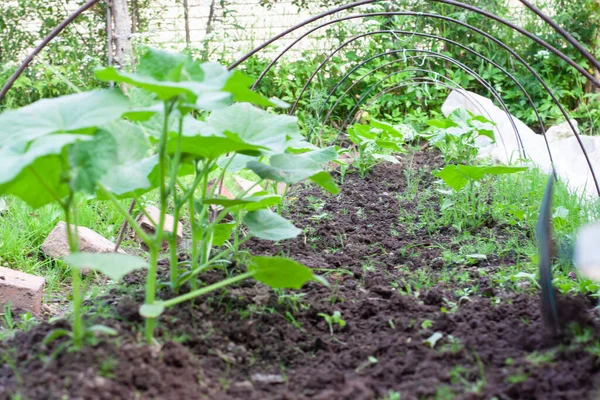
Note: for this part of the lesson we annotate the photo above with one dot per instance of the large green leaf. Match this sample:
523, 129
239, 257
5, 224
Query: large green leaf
131, 141
321, 156
132, 172
267, 225
164, 90
113, 265
441, 123
207, 86
222, 233
35, 172
164, 65
238, 85
256, 126
287, 168
211, 147
325, 180
248, 203
90, 160
131, 178
203, 140
280, 272
72, 113
235, 162
457, 176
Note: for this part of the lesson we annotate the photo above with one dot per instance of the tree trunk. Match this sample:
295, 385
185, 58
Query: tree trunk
186, 17
122, 33
209, 28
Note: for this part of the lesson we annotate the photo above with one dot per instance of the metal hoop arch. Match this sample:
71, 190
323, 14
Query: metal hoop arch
487, 35
462, 66
477, 10
394, 32
438, 75
401, 85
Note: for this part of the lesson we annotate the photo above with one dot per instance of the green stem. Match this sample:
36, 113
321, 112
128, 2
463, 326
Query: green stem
158, 237
173, 261
285, 191
162, 173
151, 292
125, 213
190, 191
199, 292
143, 209
194, 261
236, 233
206, 235
78, 330
219, 181
206, 265
241, 196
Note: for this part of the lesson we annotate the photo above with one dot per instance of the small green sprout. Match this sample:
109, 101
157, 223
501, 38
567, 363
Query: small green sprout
334, 319
370, 361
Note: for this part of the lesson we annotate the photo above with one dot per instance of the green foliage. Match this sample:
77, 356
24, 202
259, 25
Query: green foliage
50, 154
115, 266
458, 176
280, 272
333, 319
375, 143
455, 136
267, 225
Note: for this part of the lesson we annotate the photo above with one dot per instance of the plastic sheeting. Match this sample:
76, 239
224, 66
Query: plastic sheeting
569, 161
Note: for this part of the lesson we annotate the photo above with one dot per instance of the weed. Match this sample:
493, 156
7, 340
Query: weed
334, 319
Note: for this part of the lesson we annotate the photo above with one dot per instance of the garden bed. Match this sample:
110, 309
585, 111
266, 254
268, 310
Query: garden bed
394, 290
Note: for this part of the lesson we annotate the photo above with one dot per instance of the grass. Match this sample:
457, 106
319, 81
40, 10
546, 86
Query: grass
23, 230
511, 201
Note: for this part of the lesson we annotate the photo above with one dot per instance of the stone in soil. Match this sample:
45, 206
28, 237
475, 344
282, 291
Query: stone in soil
148, 224
56, 244
21, 290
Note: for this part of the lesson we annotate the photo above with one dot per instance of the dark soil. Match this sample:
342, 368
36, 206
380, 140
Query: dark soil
250, 343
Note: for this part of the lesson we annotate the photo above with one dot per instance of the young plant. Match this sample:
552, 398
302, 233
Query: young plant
230, 138
456, 135
375, 143
113, 150
46, 157
334, 319
466, 201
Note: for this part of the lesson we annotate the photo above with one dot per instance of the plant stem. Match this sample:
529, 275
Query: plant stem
208, 289
123, 211
78, 331
285, 191
241, 196
194, 261
151, 292
173, 261
156, 244
216, 258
